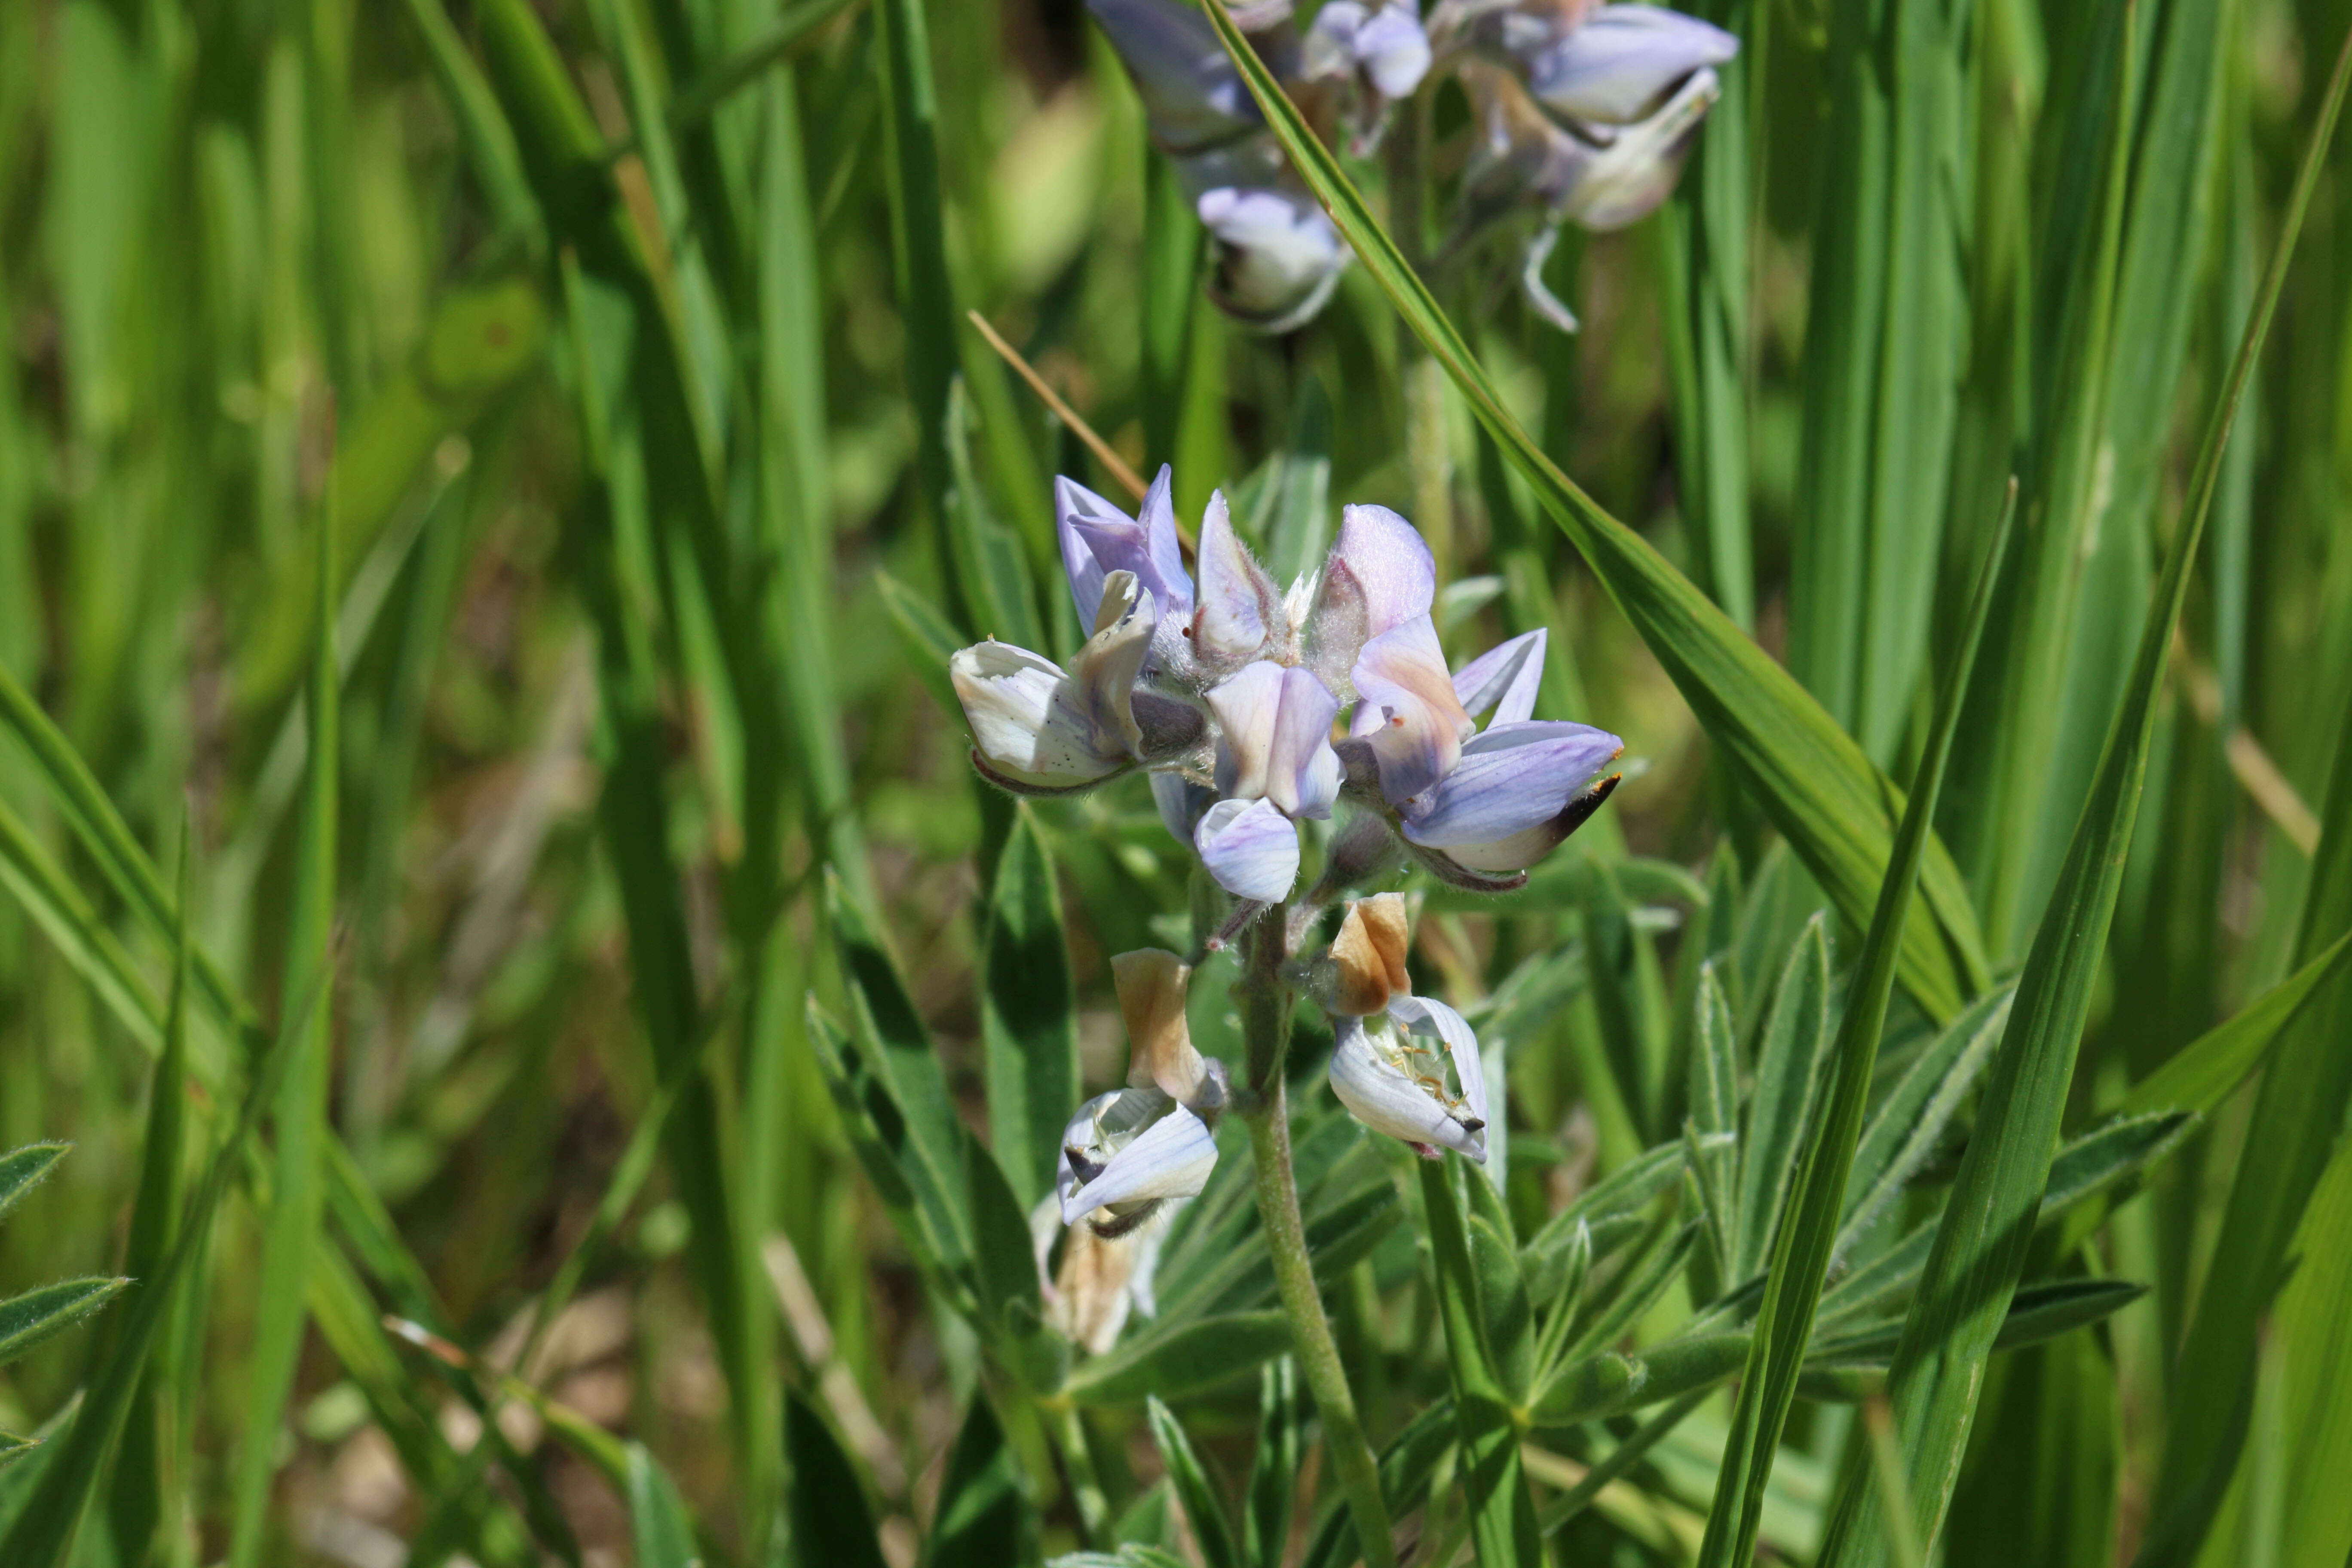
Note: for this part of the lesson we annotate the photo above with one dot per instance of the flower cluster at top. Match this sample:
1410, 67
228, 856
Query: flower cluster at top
1582, 109
1253, 708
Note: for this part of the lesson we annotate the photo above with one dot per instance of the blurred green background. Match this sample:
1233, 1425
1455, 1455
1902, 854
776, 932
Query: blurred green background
616, 350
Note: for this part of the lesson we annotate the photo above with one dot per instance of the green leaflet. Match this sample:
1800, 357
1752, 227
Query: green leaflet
1502, 1511
983, 1517
1979, 1249
1206, 1516
1028, 1018
1813, 780
826, 1506
659, 1525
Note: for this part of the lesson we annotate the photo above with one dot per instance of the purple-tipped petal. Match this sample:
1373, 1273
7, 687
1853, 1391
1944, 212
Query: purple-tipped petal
1170, 1158
1250, 847
1277, 725
1512, 783
1622, 61
1407, 709
1626, 181
1504, 679
1278, 257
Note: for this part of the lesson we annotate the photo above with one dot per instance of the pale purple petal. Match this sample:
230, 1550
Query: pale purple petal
1192, 93
1427, 1016
1277, 738
1328, 50
1510, 779
1615, 67
1393, 50
1626, 181
1238, 601
1279, 257
1182, 803
1250, 847
1407, 709
1387, 565
1504, 679
1098, 538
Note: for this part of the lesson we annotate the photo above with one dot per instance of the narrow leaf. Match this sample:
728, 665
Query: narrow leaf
827, 1506
40, 1315
1202, 1511
1028, 1017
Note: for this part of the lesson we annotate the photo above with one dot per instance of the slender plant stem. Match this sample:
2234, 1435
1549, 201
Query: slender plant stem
1265, 1024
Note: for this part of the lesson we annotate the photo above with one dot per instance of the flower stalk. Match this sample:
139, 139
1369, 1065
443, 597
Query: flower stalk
1265, 1003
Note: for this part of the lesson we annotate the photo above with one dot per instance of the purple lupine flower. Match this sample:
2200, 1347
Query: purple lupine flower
1621, 63
1278, 257
1098, 538
1468, 804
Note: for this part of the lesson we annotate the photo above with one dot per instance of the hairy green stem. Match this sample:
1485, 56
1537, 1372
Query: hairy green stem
1265, 1025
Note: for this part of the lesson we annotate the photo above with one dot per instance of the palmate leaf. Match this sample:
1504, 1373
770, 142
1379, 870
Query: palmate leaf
1980, 1247
1821, 792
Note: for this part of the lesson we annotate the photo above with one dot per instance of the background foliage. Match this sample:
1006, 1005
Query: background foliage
486, 491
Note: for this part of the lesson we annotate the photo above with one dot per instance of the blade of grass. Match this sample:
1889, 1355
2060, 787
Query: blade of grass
1816, 783
1804, 1240
299, 1112
826, 1505
2313, 1334
1981, 1247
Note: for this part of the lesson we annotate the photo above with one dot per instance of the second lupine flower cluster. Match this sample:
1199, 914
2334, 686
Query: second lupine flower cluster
1256, 709
1583, 111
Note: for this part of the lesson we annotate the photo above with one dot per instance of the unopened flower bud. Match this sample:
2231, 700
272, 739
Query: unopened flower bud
1367, 960
1152, 985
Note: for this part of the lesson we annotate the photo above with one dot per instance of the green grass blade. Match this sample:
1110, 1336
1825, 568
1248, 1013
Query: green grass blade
1028, 1017
896, 1046
1714, 1124
2298, 1113
1908, 1126
1804, 1240
299, 1109
1979, 1249
827, 1506
1816, 783
2314, 1335
490, 140
795, 494
2208, 1070
136, 1502
1211, 1536
1502, 1511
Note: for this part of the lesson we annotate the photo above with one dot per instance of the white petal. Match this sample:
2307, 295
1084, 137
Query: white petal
1393, 50
1250, 847
1408, 710
1170, 1159
1105, 668
1384, 1100
1029, 720
1427, 1016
